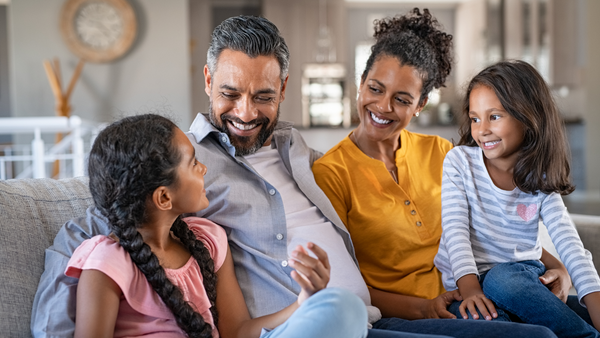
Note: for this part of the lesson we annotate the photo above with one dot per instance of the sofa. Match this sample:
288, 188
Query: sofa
33, 210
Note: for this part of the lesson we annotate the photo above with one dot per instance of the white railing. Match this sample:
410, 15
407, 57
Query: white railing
33, 161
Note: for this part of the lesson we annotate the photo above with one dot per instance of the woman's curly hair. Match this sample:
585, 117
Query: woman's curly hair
416, 40
128, 161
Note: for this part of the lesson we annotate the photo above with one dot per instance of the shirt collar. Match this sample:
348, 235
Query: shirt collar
201, 127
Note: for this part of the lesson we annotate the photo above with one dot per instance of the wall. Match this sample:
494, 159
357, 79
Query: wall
592, 100
298, 22
4, 83
155, 74
200, 32
469, 43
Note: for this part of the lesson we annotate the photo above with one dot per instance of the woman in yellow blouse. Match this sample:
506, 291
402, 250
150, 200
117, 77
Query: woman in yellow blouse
385, 182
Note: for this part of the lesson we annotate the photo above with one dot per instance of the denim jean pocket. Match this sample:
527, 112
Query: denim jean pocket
536, 267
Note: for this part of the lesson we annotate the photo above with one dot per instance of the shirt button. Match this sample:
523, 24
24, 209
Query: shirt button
419, 224
412, 212
224, 139
407, 202
279, 236
272, 192
284, 263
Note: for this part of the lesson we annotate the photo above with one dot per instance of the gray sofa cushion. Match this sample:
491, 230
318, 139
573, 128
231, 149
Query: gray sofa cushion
588, 228
31, 213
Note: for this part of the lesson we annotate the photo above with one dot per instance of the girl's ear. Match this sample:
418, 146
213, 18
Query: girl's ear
161, 198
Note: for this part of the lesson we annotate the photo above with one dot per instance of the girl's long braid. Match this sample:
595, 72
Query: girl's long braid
131, 240
202, 256
127, 163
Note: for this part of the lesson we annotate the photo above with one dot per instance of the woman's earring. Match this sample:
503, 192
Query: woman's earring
417, 114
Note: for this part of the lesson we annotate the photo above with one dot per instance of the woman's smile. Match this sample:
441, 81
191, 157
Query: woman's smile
377, 120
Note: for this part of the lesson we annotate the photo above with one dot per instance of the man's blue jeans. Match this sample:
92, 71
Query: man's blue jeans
331, 312
519, 295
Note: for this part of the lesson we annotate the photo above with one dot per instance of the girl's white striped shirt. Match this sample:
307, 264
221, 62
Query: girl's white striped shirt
484, 225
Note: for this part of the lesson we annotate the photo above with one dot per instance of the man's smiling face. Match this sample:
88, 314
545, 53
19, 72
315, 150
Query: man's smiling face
245, 94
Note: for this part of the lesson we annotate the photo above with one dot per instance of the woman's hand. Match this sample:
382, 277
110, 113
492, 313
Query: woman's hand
438, 307
311, 273
557, 277
558, 281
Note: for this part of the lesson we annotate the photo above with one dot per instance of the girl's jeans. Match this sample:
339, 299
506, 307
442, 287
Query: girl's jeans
519, 295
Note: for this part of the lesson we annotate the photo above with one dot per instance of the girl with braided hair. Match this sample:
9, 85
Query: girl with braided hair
160, 275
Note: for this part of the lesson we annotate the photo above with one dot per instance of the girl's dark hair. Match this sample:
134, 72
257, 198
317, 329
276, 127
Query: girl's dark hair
416, 40
543, 162
128, 161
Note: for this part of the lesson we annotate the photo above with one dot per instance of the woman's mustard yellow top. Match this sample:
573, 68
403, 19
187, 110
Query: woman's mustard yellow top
395, 228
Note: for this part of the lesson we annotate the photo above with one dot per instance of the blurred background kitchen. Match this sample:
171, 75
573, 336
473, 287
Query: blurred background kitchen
161, 68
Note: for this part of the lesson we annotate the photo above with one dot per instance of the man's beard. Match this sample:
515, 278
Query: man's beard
244, 145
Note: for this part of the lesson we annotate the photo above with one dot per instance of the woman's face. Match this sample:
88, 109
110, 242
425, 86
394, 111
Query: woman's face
388, 98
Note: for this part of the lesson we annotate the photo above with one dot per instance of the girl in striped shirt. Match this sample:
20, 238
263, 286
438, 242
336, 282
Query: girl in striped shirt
507, 175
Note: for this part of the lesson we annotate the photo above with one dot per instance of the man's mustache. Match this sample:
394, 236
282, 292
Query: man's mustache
235, 119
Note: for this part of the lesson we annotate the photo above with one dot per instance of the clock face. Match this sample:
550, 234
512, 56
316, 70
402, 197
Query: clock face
98, 30
98, 25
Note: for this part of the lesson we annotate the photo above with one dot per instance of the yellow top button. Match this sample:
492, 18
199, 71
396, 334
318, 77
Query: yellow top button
419, 224
407, 202
412, 212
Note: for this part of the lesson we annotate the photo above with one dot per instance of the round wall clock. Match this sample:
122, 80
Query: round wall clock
98, 30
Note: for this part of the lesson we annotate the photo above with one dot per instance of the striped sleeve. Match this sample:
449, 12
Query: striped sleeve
576, 258
455, 217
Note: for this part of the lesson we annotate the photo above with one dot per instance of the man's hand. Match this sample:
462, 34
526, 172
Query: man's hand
311, 273
438, 307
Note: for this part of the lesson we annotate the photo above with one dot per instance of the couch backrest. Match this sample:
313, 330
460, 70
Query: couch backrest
31, 213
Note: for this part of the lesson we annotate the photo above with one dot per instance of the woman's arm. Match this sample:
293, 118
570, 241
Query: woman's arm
98, 298
592, 302
234, 319
557, 277
409, 307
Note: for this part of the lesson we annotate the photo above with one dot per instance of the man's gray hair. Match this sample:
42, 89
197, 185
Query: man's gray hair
251, 35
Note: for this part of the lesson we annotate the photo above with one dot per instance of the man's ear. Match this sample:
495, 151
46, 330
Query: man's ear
283, 88
161, 198
207, 80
